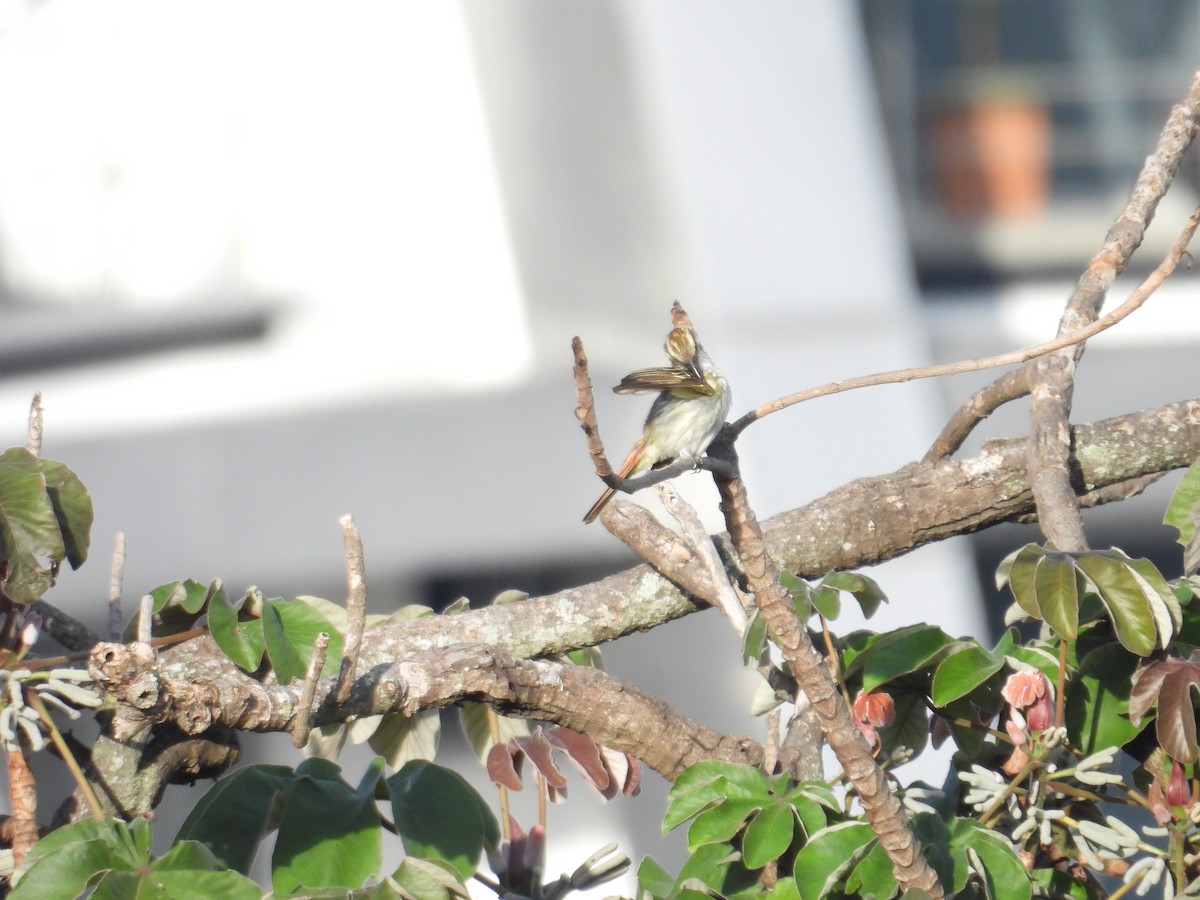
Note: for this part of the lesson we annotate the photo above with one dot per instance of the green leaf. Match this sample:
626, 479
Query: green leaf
1181, 513
31, 540
289, 630
439, 816
872, 878
176, 607
710, 782
72, 505
716, 865
826, 601
654, 878
241, 640
897, 653
329, 834
828, 855
721, 822
1058, 593
66, 876
865, 590
911, 727
754, 641
1098, 700
1005, 876
1127, 604
1019, 571
962, 671
425, 879
237, 812
400, 738
768, 835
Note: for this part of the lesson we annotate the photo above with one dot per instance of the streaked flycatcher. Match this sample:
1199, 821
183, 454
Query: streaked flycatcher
693, 401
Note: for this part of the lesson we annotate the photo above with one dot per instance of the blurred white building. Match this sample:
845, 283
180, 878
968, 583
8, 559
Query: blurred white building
274, 262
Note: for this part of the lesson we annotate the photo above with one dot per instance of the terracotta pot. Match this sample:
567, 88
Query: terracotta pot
993, 159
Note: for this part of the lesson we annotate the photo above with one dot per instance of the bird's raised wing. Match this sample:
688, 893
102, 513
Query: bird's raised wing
664, 378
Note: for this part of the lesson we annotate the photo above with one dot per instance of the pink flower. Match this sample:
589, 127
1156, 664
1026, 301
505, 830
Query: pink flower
1029, 693
873, 710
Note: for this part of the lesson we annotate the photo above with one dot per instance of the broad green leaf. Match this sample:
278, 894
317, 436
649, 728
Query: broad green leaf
897, 653
330, 833
1006, 876
1098, 700
65, 876
962, 671
289, 630
654, 878
826, 601
72, 505
718, 866
865, 590
172, 885
237, 812
1181, 511
241, 641
911, 727
829, 855
1153, 581
721, 822
177, 606
872, 878
30, 538
400, 738
1127, 603
801, 593
709, 782
768, 835
1019, 571
1057, 588
425, 879
784, 889
439, 816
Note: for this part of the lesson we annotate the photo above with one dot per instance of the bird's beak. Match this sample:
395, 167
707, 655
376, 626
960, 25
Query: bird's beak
693, 367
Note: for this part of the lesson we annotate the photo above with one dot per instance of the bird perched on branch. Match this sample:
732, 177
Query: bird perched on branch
693, 401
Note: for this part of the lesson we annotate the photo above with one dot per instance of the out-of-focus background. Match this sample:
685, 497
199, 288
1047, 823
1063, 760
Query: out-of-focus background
274, 262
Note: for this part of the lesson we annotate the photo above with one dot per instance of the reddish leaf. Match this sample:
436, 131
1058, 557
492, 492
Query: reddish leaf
504, 764
539, 751
585, 754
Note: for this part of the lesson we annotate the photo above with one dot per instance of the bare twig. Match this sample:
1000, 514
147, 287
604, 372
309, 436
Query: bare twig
33, 443
116, 580
1012, 387
356, 606
145, 624
65, 629
67, 756
307, 703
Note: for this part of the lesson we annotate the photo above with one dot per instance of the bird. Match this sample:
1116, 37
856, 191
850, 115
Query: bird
693, 401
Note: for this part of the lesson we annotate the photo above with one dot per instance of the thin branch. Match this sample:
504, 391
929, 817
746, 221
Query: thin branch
116, 580
33, 443
1012, 387
68, 758
1052, 384
307, 703
145, 622
356, 606
65, 629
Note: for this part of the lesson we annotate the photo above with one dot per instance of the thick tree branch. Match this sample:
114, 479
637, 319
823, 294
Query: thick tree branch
584, 699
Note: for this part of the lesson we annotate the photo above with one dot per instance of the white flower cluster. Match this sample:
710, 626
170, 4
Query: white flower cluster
59, 689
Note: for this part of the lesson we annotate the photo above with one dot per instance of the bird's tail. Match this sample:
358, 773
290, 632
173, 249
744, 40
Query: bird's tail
631, 461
